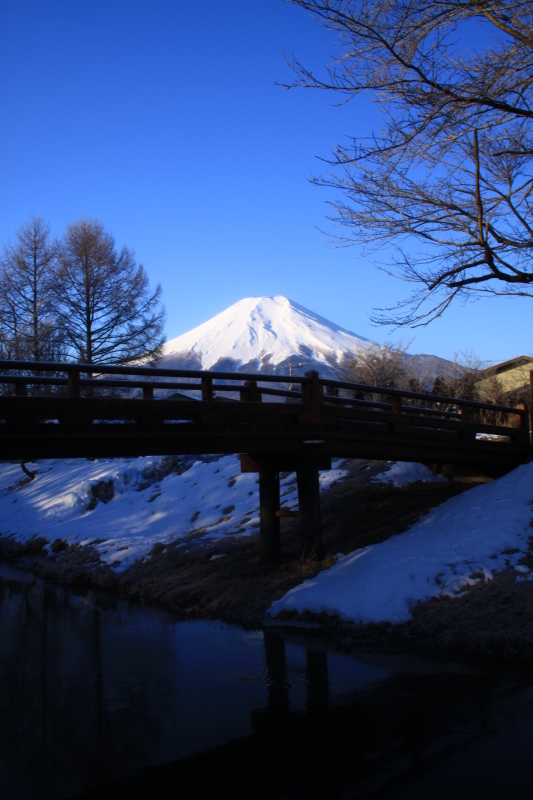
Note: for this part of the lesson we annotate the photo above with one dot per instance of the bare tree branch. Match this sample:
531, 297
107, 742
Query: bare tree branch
450, 175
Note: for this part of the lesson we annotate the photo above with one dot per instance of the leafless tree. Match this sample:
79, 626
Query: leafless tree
463, 378
448, 180
28, 278
106, 307
382, 365
388, 366
467, 380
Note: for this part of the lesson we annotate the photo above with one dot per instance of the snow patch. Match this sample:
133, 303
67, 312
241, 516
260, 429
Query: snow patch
403, 473
204, 500
467, 539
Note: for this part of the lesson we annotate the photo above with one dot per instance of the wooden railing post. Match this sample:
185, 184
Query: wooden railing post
148, 392
396, 403
468, 432
464, 412
313, 394
255, 393
250, 392
522, 418
397, 406
207, 388
73, 383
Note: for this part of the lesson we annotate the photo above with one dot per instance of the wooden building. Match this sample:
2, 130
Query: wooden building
512, 375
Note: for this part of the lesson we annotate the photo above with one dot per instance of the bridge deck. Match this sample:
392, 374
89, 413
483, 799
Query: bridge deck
57, 413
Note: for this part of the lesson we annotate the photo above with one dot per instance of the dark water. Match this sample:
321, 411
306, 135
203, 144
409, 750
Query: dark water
102, 699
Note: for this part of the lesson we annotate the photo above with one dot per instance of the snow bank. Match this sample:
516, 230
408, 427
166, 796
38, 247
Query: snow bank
463, 541
402, 473
207, 502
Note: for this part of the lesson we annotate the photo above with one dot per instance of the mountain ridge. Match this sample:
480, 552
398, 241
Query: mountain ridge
264, 334
276, 336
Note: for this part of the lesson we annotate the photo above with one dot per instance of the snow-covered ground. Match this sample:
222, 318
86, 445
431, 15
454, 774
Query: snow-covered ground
209, 501
465, 540
402, 473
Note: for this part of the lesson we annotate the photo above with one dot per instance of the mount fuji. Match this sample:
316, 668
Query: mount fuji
264, 334
274, 335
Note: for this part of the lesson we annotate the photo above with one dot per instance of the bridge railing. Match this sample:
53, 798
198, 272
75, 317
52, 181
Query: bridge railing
322, 400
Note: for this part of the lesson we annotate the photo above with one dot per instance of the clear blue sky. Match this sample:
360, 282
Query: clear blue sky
162, 120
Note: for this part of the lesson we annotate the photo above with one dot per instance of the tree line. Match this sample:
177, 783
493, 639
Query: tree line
77, 298
466, 377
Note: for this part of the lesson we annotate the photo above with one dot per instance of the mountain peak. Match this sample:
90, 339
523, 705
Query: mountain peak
263, 333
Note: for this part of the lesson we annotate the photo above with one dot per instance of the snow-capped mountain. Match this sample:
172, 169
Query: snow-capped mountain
265, 333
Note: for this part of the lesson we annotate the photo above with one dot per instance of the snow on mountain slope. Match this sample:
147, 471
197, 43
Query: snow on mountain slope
263, 333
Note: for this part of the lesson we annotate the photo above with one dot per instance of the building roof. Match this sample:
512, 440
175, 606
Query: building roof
505, 366
512, 374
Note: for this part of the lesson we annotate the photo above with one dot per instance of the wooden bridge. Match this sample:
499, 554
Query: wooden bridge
50, 410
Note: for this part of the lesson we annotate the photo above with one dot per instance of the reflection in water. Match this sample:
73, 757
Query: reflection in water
316, 678
94, 691
65, 719
317, 682
276, 667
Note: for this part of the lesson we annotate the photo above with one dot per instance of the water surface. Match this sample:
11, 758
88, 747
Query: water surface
101, 698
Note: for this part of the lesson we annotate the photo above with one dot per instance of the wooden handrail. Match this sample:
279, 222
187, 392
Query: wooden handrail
249, 422
163, 372
308, 383
430, 398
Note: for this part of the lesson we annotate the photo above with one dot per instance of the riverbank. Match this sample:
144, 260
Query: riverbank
223, 580
491, 621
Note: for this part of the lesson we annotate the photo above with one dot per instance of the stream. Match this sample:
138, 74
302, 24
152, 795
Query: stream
101, 698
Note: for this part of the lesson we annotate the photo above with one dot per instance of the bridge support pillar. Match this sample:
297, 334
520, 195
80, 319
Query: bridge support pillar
269, 522
309, 503
306, 464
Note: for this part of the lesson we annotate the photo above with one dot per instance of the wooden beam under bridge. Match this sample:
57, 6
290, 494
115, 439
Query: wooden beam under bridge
306, 464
